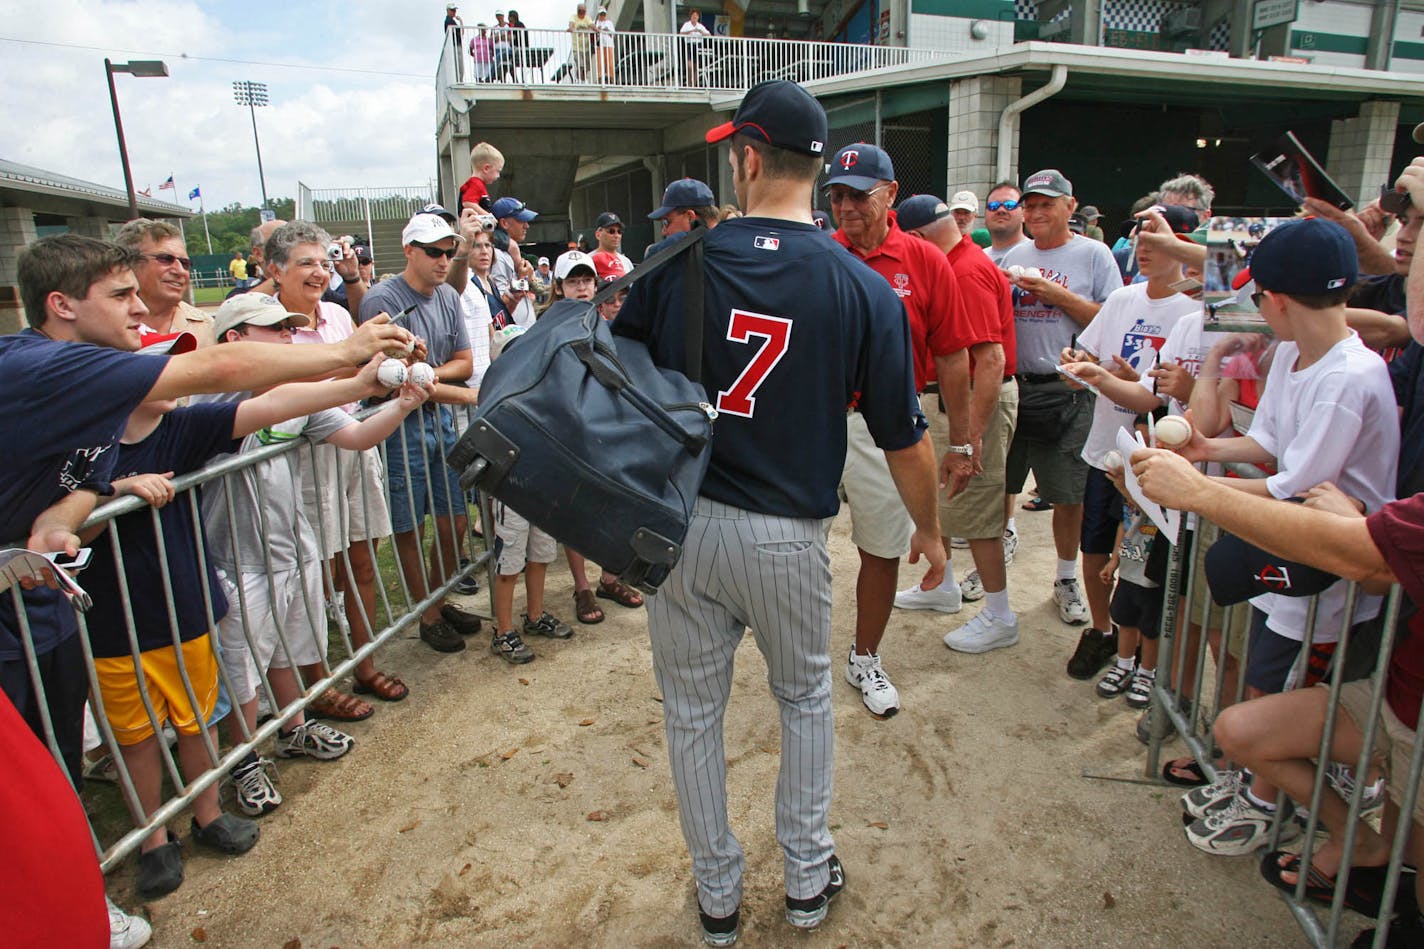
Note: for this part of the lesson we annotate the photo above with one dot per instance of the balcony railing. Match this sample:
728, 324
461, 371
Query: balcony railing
650, 61
328, 205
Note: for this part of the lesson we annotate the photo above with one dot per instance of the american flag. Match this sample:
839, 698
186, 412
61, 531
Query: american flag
167, 184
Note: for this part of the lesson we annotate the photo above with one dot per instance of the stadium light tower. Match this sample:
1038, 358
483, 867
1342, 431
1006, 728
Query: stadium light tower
253, 95
144, 69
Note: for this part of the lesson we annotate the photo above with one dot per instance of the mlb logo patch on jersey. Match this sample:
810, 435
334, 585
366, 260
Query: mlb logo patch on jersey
767, 243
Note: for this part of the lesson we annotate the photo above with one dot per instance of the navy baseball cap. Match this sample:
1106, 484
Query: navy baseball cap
1048, 182
860, 166
437, 209
1237, 571
780, 113
1306, 257
920, 210
685, 193
1181, 219
607, 219
513, 207
822, 220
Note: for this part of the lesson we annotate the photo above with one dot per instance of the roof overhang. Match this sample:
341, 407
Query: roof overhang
49, 193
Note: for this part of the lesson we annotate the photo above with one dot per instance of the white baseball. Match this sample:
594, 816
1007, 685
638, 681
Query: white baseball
1016, 271
392, 373
1032, 272
421, 374
1173, 432
1112, 460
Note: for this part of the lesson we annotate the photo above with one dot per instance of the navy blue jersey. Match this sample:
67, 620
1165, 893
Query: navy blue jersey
795, 332
185, 441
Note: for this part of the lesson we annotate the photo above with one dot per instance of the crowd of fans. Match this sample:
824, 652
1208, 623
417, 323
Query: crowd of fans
1034, 345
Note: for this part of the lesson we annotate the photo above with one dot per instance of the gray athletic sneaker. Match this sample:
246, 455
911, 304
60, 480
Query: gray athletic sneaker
547, 625
511, 648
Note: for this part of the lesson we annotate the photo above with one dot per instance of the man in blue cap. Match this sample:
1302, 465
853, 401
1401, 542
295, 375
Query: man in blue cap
687, 204
511, 273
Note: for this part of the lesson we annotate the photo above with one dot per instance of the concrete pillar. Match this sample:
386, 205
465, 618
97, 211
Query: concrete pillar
659, 16
97, 227
1086, 28
1361, 149
17, 228
975, 105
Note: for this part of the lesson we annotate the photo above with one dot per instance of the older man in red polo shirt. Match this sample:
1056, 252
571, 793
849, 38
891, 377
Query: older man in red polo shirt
862, 189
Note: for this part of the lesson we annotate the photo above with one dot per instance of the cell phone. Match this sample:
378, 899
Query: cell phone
78, 562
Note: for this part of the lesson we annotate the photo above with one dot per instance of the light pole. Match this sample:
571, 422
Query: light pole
253, 95
146, 69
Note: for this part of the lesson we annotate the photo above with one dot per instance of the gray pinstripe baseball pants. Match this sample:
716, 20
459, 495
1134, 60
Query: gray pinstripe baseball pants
741, 569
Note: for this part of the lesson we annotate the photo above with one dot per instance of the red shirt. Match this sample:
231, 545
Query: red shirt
1398, 531
471, 192
986, 297
925, 283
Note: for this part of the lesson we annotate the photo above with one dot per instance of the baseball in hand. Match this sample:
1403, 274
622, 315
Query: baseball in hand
391, 373
1173, 432
1112, 460
421, 374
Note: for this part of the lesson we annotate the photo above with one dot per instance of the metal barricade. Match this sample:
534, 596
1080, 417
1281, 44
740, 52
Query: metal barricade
1189, 620
398, 608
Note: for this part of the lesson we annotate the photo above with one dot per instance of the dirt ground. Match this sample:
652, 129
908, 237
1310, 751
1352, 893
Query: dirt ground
533, 805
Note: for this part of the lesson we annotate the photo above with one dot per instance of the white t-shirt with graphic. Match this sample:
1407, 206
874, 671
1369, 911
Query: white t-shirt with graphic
1084, 266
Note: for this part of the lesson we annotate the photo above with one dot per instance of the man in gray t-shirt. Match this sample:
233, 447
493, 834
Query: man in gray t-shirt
418, 479
1060, 280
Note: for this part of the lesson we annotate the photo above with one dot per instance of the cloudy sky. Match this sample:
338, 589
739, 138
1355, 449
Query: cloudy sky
351, 86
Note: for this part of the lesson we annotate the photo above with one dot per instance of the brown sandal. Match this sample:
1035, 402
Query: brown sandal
587, 608
384, 687
620, 592
339, 707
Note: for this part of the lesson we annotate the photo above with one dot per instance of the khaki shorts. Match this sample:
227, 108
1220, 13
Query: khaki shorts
1233, 637
1394, 741
880, 525
1058, 466
977, 513
517, 542
162, 677
353, 508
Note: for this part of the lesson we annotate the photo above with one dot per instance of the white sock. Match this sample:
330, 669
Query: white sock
948, 583
1147, 673
1124, 663
1268, 806
1010, 526
1067, 570
998, 604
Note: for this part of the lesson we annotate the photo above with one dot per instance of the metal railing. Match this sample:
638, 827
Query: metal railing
653, 61
396, 608
338, 205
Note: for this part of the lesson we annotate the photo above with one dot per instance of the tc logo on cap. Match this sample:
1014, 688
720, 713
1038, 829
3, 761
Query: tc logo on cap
1275, 577
849, 159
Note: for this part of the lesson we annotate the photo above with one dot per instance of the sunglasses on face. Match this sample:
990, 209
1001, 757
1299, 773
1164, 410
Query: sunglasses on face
168, 260
836, 194
1008, 205
1257, 297
435, 253
614, 229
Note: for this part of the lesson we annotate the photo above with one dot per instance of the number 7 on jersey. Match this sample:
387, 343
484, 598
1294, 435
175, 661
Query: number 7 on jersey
740, 398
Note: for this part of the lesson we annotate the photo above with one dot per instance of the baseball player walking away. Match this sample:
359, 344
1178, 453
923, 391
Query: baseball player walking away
782, 360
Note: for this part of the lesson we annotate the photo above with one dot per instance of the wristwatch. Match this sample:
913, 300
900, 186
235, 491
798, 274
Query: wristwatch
966, 450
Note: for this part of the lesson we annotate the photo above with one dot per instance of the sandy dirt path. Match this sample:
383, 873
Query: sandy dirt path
464, 816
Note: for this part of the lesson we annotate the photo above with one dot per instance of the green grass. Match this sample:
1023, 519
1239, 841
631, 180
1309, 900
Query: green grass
203, 295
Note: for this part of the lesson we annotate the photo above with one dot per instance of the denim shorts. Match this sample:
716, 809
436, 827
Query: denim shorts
415, 450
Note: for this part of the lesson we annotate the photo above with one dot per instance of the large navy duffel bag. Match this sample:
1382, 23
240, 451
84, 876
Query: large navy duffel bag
580, 433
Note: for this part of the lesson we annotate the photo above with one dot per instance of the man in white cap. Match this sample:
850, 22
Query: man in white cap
419, 481
965, 208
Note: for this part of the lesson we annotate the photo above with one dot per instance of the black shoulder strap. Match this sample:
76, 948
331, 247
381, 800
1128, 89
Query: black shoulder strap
691, 293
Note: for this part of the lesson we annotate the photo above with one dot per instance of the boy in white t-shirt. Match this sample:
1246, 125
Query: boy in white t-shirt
1328, 414
1115, 352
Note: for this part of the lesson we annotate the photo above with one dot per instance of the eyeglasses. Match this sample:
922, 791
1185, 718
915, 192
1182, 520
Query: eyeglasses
323, 263
1257, 297
838, 194
613, 229
168, 260
1008, 205
435, 253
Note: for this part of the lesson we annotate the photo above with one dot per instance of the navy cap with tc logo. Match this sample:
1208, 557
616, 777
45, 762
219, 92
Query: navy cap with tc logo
780, 113
860, 166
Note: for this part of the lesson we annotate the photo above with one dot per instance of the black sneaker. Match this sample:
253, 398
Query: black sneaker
467, 585
466, 624
441, 636
160, 871
228, 834
809, 913
511, 648
720, 930
1095, 650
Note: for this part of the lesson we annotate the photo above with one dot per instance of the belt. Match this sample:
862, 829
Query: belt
1037, 378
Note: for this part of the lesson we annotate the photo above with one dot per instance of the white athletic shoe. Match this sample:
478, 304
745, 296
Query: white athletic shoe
1071, 608
1011, 546
983, 633
945, 601
876, 692
971, 588
959, 543
126, 931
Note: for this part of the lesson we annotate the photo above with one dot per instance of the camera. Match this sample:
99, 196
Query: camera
334, 251
487, 223
520, 286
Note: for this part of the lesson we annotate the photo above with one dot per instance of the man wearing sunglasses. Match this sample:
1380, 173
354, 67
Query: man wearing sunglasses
419, 481
513, 218
163, 277
1004, 217
608, 229
861, 188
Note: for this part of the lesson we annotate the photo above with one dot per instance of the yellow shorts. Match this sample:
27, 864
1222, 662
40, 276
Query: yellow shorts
123, 705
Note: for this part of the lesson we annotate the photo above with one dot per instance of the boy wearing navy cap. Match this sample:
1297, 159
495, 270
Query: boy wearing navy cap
1328, 414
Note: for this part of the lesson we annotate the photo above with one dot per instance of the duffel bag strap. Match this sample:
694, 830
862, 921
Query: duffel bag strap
692, 283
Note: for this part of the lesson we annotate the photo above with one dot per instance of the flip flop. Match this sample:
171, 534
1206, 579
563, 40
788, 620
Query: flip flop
1189, 775
1037, 504
1362, 895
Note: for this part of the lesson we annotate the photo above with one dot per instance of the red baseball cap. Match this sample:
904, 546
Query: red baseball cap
167, 344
